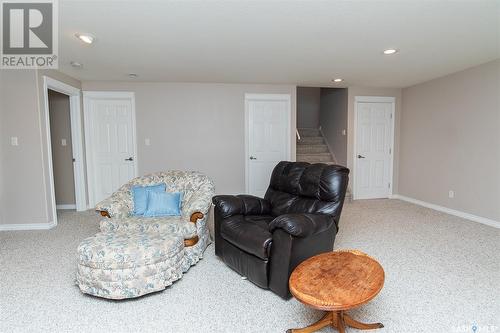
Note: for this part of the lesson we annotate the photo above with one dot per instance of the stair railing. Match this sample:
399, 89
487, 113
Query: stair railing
297, 133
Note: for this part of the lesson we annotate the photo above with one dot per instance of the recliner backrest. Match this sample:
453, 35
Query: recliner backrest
301, 187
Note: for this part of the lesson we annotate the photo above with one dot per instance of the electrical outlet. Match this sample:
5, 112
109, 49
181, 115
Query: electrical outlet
63, 142
147, 142
451, 194
14, 141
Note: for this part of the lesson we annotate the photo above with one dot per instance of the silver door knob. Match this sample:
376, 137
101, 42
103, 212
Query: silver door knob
253, 158
359, 156
129, 159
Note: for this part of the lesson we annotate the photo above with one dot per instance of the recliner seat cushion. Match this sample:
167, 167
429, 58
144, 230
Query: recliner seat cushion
249, 233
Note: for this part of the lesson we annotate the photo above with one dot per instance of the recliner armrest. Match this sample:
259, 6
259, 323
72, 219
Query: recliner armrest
301, 225
229, 205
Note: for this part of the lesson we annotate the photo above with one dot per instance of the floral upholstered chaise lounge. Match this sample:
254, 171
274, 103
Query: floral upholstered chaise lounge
136, 255
192, 226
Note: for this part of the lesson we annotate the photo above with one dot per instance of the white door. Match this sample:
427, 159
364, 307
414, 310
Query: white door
373, 147
268, 138
111, 147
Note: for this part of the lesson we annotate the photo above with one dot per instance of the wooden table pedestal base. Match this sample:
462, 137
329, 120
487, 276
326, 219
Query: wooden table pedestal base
338, 320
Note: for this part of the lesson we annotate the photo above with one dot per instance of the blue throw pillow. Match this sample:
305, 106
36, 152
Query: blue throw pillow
164, 204
140, 196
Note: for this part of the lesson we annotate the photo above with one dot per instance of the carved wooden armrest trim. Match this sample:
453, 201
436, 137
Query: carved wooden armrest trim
191, 241
196, 216
104, 213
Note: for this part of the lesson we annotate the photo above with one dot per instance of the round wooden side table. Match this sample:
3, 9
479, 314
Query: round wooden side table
335, 282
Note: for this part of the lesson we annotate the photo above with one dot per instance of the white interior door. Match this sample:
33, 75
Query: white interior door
111, 142
373, 147
268, 138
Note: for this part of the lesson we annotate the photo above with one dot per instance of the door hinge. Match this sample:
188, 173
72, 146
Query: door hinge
390, 151
391, 116
389, 185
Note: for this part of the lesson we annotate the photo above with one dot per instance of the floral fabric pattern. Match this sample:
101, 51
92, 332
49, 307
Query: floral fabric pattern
134, 255
172, 225
126, 265
197, 190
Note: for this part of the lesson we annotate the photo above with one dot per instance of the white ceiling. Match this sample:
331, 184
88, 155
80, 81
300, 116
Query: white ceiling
299, 42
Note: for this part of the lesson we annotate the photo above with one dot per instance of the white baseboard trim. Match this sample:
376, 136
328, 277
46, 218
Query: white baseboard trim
467, 216
70, 206
27, 226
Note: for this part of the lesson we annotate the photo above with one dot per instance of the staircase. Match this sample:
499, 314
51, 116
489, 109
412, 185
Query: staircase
312, 147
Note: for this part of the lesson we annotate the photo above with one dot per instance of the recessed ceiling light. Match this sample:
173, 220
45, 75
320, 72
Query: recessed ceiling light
76, 64
390, 51
132, 75
86, 38
338, 80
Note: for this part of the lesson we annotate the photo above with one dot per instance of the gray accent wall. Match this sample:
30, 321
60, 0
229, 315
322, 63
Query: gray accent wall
195, 126
308, 107
333, 120
450, 140
62, 155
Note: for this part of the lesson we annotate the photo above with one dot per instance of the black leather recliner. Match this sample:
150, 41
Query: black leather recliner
265, 239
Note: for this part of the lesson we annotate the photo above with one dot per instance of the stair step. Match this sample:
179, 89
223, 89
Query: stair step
310, 140
305, 132
315, 158
312, 149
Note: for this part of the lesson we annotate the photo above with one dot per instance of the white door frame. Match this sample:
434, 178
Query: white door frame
76, 142
88, 121
266, 97
373, 99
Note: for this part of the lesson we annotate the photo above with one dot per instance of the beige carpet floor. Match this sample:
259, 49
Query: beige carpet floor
442, 275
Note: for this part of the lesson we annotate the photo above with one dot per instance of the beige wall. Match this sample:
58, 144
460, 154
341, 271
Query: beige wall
308, 104
195, 126
450, 140
384, 92
24, 171
449, 136
62, 156
23, 185
191, 126
333, 120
